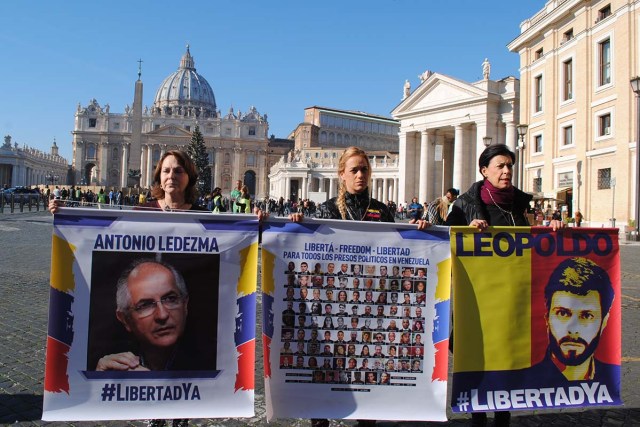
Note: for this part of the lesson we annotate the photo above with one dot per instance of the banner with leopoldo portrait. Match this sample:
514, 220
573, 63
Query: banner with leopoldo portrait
536, 318
151, 315
355, 320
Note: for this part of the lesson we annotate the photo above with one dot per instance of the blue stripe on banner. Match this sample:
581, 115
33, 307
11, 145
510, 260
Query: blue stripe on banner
441, 322
244, 225
245, 319
151, 375
83, 221
267, 315
421, 235
60, 316
289, 227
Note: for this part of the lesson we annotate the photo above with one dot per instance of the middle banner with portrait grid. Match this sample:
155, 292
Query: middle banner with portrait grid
356, 320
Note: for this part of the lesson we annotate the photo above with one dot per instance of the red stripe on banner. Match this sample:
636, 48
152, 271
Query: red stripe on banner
442, 361
55, 378
266, 349
246, 366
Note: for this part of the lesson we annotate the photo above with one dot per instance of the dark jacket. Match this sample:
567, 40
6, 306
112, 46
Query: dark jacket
469, 206
360, 207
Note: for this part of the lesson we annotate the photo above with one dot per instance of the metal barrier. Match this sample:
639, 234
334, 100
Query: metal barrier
20, 204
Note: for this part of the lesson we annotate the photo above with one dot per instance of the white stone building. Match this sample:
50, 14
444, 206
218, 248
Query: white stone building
122, 149
445, 124
311, 170
576, 62
26, 166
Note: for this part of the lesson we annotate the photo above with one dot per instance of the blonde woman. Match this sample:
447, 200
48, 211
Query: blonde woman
436, 212
353, 203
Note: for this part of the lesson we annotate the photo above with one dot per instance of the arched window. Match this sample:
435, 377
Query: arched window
227, 159
323, 137
114, 153
250, 181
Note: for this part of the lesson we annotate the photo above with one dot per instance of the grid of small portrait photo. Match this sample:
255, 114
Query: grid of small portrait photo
353, 323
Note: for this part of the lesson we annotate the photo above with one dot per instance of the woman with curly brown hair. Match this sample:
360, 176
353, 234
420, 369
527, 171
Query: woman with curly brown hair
174, 183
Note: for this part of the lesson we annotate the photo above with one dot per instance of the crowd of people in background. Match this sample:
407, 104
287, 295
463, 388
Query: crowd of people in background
240, 201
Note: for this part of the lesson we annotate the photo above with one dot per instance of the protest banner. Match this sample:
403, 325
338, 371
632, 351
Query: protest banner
536, 318
356, 320
151, 316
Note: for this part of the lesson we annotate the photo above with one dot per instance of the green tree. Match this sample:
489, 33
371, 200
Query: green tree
198, 153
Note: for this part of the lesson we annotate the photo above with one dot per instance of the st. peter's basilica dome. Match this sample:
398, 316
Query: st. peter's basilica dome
185, 92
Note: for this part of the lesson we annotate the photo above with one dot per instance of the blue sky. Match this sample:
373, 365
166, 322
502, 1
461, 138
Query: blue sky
279, 56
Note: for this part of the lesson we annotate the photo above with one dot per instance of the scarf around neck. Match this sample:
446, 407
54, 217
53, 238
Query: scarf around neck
503, 197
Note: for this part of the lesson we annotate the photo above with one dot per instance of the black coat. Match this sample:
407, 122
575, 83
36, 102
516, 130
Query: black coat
469, 206
360, 207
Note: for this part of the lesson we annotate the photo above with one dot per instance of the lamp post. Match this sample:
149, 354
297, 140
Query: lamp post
522, 131
613, 203
486, 141
635, 85
51, 177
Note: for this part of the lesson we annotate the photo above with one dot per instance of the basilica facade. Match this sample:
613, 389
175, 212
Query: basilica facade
121, 150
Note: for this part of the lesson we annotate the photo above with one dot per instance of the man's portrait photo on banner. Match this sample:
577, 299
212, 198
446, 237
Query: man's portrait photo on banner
578, 298
153, 312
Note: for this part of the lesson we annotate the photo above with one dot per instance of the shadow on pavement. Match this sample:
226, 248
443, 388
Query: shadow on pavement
19, 408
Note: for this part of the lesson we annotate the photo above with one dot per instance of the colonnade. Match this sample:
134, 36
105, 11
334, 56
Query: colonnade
433, 160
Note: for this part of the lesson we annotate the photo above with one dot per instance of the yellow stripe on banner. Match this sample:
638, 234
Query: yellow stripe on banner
443, 288
268, 263
248, 270
492, 303
62, 259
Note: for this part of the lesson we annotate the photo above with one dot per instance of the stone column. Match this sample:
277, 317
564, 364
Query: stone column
79, 159
396, 193
305, 185
124, 165
149, 169
424, 165
385, 186
511, 136
459, 160
374, 188
332, 188
104, 161
214, 170
402, 165
287, 188
481, 132
236, 164
144, 150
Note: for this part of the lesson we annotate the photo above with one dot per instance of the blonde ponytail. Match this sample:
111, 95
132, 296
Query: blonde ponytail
341, 201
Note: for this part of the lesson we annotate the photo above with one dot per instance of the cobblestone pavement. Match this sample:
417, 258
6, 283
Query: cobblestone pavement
25, 239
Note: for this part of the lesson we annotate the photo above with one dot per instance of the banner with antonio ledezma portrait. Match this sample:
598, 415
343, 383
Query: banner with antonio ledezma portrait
536, 318
176, 340
356, 320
